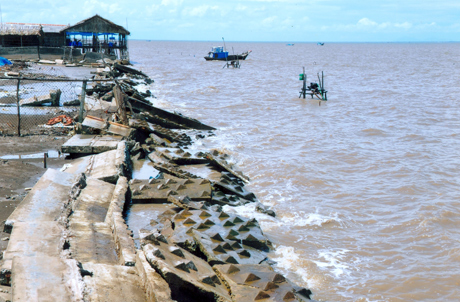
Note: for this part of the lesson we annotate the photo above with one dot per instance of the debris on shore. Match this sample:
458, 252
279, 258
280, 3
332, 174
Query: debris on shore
70, 239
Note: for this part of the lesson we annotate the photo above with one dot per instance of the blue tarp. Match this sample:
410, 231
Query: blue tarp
4, 61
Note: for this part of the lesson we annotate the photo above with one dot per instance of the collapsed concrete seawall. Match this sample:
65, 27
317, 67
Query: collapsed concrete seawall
70, 240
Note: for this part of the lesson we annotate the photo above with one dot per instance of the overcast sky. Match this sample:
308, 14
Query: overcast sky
257, 20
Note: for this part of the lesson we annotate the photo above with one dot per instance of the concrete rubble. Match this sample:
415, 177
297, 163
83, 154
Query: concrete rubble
70, 239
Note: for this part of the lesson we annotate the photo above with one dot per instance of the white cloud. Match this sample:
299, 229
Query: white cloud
405, 25
366, 22
175, 3
241, 7
268, 21
198, 11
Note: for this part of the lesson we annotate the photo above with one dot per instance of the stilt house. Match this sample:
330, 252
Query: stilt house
97, 34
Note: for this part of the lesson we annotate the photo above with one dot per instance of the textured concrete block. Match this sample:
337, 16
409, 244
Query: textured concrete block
158, 190
259, 283
221, 237
187, 275
180, 156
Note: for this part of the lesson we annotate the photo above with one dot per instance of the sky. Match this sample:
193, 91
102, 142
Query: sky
257, 20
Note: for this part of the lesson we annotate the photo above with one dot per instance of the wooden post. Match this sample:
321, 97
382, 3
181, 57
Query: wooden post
304, 89
82, 101
120, 99
38, 48
19, 110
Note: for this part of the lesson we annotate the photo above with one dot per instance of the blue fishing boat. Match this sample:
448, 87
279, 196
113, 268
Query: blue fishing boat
219, 54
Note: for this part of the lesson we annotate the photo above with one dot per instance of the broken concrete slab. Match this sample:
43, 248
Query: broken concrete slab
92, 123
35, 237
119, 129
172, 136
180, 156
219, 197
93, 202
259, 283
155, 287
44, 202
90, 144
112, 283
107, 166
52, 98
158, 190
43, 278
155, 119
235, 189
5, 294
171, 169
220, 161
121, 236
189, 277
221, 237
143, 106
92, 242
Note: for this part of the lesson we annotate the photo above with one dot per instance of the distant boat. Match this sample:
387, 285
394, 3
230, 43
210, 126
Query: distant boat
290, 44
218, 54
320, 43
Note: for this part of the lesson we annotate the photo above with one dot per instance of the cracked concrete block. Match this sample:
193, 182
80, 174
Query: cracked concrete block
172, 136
112, 283
235, 189
168, 168
155, 287
92, 242
117, 203
219, 161
249, 282
223, 199
90, 144
220, 237
158, 190
189, 277
94, 200
180, 156
120, 129
123, 240
41, 277
92, 124
44, 202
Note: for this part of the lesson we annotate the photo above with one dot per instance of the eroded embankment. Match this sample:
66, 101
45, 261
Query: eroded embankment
69, 237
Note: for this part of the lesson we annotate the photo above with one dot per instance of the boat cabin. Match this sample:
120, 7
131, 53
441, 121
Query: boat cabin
218, 53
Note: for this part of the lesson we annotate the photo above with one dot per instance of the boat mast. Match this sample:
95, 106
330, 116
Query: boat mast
225, 47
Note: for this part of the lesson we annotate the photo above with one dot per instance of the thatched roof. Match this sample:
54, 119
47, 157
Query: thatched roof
28, 29
96, 24
20, 29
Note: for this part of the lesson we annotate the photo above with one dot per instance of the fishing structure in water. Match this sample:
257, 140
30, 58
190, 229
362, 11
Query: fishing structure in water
314, 89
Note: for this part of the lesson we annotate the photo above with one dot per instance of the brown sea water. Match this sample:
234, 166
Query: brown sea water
365, 186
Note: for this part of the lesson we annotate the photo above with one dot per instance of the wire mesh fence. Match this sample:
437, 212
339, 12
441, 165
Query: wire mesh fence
32, 95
